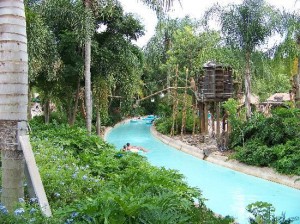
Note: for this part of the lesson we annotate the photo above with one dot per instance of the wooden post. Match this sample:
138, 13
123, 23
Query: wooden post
224, 123
218, 119
183, 120
206, 118
34, 175
22, 130
175, 104
228, 126
212, 119
195, 116
202, 118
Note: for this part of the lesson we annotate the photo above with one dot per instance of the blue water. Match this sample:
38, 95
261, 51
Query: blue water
228, 192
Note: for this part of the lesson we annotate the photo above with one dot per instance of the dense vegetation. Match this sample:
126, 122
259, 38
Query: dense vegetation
271, 141
86, 179
89, 181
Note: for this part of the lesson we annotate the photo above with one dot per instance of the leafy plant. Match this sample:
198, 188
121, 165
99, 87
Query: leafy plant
88, 181
269, 141
264, 213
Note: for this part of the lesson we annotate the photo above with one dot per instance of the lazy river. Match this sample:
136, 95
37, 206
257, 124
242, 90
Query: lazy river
228, 192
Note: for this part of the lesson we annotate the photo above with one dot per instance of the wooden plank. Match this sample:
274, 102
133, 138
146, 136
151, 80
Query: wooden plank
35, 175
22, 130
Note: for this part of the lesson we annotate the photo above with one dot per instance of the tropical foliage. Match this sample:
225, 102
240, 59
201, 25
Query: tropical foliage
89, 181
267, 141
265, 213
247, 26
57, 62
86, 179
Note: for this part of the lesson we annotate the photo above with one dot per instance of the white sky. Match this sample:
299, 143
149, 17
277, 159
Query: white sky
193, 8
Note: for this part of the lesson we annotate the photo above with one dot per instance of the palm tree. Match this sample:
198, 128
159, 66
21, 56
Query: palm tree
246, 26
13, 97
297, 95
158, 6
87, 72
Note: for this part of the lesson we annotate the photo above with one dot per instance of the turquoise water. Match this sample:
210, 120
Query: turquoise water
228, 192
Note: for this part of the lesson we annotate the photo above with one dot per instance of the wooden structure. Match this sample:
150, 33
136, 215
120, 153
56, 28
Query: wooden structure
214, 87
276, 100
216, 84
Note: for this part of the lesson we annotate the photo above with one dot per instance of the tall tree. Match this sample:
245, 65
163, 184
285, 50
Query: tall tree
298, 74
246, 26
13, 97
87, 70
117, 62
287, 54
60, 29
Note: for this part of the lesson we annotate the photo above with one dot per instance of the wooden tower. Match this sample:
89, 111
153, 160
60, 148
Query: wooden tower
215, 85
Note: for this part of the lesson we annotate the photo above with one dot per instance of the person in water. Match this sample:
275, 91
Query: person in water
124, 149
131, 148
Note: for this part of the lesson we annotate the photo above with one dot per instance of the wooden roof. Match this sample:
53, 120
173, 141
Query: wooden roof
279, 97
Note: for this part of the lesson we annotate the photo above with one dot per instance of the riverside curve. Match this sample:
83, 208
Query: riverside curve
214, 157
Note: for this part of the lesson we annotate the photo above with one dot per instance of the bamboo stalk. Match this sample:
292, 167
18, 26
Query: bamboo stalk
183, 121
175, 104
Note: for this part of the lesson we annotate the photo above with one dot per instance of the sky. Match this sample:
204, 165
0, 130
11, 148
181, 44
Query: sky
193, 8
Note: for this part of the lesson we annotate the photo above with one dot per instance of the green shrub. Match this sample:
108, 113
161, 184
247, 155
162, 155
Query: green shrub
164, 125
264, 213
288, 157
88, 181
164, 109
269, 141
255, 153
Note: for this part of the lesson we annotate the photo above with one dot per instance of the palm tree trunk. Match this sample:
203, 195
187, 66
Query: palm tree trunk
13, 97
248, 86
47, 111
297, 95
297, 79
87, 75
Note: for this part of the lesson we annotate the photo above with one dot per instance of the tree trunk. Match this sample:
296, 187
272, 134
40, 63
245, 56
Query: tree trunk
29, 115
12, 165
87, 75
183, 121
73, 116
248, 86
98, 123
297, 79
13, 97
47, 111
175, 104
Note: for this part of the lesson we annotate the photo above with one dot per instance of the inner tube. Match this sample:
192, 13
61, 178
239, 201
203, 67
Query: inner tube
134, 150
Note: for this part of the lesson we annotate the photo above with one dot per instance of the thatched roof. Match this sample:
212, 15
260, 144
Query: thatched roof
279, 97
